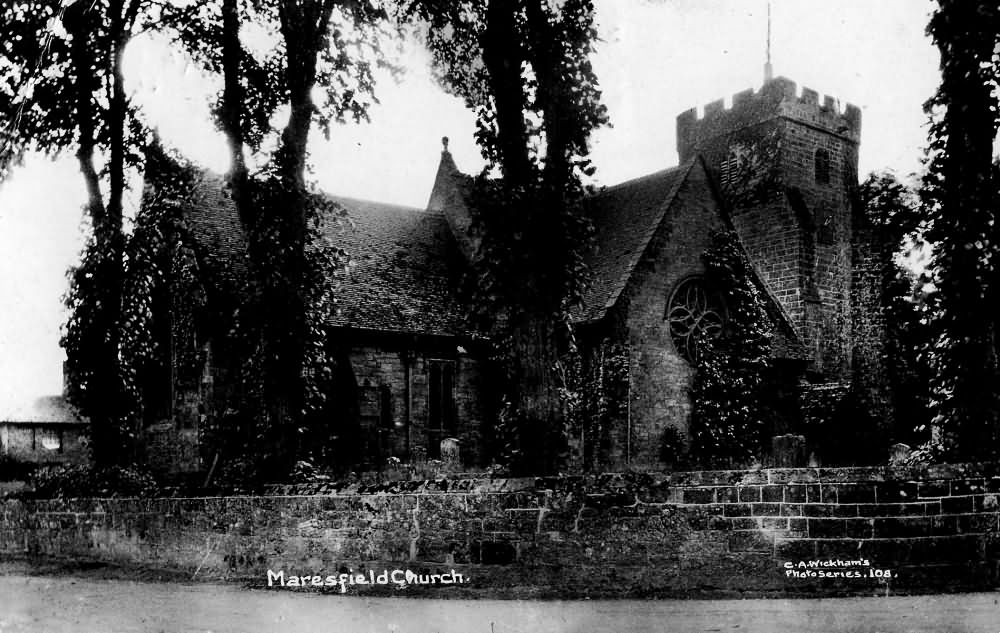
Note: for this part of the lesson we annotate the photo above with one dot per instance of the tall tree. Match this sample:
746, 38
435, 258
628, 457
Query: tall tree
961, 199
324, 48
62, 90
524, 67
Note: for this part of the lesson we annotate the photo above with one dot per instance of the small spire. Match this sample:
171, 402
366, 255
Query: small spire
444, 143
768, 70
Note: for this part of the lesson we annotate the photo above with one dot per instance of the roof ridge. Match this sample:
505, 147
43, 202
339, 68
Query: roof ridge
393, 205
210, 176
646, 177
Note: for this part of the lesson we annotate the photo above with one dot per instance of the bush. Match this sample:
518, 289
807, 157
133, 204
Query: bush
88, 481
13, 469
235, 476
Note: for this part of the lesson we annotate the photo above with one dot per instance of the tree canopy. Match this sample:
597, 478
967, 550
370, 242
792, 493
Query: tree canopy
961, 196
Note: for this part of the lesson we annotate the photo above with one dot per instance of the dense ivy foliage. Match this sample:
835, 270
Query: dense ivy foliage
253, 330
594, 395
728, 416
319, 62
961, 196
78, 482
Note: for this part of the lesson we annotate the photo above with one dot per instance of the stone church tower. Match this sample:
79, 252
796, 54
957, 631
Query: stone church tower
788, 169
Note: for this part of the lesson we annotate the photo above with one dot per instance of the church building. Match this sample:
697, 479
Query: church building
779, 166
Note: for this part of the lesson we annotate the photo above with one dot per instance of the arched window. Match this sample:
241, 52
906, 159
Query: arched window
822, 166
694, 313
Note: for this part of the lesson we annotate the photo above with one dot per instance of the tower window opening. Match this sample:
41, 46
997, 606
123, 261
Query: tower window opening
727, 170
822, 166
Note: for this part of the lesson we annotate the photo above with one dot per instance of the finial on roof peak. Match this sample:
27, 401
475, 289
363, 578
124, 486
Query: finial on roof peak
444, 143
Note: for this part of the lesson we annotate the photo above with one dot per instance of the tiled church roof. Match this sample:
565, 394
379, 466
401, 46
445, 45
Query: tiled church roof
398, 280
625, 218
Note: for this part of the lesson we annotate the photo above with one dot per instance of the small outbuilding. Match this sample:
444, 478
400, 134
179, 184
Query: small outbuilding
47, 430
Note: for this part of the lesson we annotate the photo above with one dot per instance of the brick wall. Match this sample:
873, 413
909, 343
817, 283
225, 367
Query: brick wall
617, 535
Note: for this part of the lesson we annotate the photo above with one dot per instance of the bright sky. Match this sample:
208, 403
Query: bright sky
658, 58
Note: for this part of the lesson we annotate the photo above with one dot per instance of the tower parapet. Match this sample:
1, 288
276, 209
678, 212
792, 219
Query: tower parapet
786, 159
777, 98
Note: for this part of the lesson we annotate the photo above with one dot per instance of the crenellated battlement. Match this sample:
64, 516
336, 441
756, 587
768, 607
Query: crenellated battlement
778, 97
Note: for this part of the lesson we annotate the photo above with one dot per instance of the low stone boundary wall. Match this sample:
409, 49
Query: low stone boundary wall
766, 532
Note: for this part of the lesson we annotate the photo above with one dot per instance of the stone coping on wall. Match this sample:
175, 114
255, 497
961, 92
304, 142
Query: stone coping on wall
638, 480
659, 483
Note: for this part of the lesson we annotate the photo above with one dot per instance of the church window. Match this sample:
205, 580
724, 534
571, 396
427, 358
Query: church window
822, 166
694, 313
440, 405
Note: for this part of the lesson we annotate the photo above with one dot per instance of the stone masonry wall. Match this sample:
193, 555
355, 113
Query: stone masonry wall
660, 377
617, 535
795, 225
405, 372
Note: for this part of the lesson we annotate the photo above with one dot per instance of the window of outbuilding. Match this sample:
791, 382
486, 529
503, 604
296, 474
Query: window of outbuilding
822, 166
51, 440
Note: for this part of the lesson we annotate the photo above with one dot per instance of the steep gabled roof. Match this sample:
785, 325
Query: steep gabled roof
625, 217
399, 278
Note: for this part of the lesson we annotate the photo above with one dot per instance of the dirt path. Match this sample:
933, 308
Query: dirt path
81, 605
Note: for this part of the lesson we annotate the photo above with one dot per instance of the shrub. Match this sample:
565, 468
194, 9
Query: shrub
13, 469
89, 481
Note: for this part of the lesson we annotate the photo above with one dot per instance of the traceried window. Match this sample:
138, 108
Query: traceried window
694, 313
822, 166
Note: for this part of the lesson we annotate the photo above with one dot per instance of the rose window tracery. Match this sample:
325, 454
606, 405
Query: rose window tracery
694, 313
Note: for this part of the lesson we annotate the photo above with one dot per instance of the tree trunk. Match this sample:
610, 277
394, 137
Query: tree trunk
104, 395
304, 27
966, 34
542, 440
231, 114
503, 57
